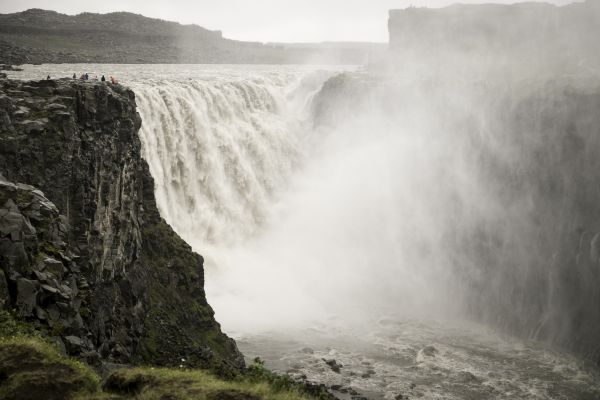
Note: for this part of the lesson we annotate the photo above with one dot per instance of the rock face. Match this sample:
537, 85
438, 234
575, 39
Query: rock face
85, 255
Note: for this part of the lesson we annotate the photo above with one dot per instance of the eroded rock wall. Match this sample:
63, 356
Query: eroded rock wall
132, 290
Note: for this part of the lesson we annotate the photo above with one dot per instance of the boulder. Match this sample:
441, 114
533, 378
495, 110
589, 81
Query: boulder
427, 352
4, 294
333, 364
26, 297
32, 127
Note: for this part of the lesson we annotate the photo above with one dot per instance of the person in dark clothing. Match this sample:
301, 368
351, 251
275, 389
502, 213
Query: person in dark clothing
87, 76
74, 75
103, 79
48, 78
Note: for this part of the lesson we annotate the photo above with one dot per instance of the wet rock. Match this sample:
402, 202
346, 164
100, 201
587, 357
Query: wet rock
54, 267
466, 377
49, 289
14, 224
4, 295
333, 364
26, 297
32, 127
427, 352
41, 314
74, 344
55, 107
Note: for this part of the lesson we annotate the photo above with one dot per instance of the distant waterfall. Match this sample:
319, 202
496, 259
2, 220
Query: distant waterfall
218, 149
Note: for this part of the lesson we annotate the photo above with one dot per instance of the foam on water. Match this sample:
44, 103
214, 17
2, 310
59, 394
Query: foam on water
428, 360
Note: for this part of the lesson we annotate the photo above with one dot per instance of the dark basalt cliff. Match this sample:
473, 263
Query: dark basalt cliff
85, 256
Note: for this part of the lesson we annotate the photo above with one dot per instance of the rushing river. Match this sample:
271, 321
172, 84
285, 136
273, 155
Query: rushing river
313, 233
428, 360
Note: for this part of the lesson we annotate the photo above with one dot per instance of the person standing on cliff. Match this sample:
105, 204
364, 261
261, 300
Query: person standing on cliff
74, 75
103, 79
48, 78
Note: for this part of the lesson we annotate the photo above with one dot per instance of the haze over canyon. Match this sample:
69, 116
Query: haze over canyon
412, 219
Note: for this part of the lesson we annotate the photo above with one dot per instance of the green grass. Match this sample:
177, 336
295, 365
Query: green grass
11, 327
158, 383
33, 368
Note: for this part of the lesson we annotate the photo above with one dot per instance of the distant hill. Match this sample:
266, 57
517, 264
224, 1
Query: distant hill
534, 37
41, 36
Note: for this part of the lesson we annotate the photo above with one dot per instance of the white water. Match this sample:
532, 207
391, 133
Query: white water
297, 225
234, 143
321, 229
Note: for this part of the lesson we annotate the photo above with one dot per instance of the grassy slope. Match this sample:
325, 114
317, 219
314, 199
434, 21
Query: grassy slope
160, 383
32, 368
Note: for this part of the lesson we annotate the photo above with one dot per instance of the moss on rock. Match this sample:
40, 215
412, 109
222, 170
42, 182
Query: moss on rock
33, 369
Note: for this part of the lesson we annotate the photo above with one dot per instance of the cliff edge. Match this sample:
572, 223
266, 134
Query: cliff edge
85, 257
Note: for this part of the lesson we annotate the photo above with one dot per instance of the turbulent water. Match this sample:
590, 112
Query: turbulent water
429, 360
314, 231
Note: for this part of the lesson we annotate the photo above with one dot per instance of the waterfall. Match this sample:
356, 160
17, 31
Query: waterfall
222, 151
298, 221
345, 199
219, 150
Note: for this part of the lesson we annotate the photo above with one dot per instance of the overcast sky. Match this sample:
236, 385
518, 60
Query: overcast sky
259, 20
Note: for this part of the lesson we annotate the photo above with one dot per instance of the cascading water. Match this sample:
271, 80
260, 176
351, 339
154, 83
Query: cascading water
338, 219
217, 151
323, 217
323, 227
222, 151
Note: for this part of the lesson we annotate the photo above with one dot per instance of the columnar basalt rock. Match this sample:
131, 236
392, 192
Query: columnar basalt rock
90, 261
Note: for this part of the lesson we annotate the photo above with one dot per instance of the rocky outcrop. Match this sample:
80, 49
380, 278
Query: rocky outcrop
85, 256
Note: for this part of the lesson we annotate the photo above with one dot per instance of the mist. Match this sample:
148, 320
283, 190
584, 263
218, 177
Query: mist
412, 219
411, 189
